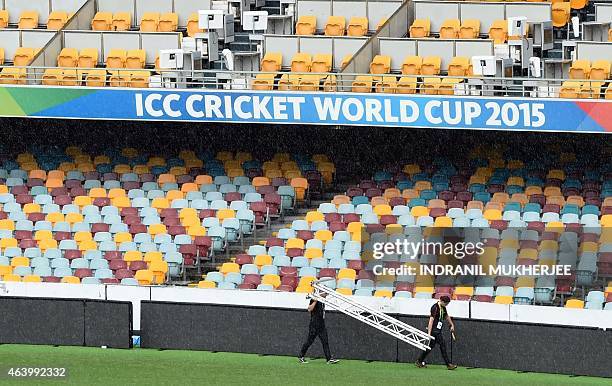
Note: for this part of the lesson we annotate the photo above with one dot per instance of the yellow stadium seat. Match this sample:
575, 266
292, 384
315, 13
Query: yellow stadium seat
580, 69
160, 270
222, 214
499, 31
574, 303
156, 229
301, 62
463, 291
310, 82
459, 66
152, 256
294, 243
271, 62
261, 260
116, 58
57, 20
362, 83
168, 22
68, 57
305, 289
600, 70
448, 86
420, 28
591, 90
347, 273
431, 65
306, 25
71, 280
102, 21
383, 293
32, 279
149, 22
28, 20
578, 4
229, 267
470, 29
344, 291
139, 79
357, 26
335, 26
273, 280
11, 278
23, 56
381, 64
504, 299
407, 85
450, 29
52, 77
121, 21
306, 281
430, 86
321, 63
88, 58
96, 78
144, 277
314, 216
135, 59
207, 284
570, 89
20, 262
561, 12
193, 26
4, 18
387, 84
418, 211
12, 75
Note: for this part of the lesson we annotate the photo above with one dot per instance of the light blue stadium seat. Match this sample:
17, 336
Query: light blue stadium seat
504, 291
97, 264
249, 269
215, 276
363, 292
79, 263
318, 263
269, 270
35, 262
299, 261
129, 281
362, 209
246, 189
22, 271
346, 208
233, 277
93, 254
524, 295
239, 205
90, 280
318, 225
255, 250
307, 271
403, 294
343, 236
286, 233
42, 271
300, 225
265, 287
62, 272
60, 263
218, 204
281, 261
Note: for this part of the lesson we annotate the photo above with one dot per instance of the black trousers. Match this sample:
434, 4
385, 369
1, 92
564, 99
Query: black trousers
439, 339
315, 330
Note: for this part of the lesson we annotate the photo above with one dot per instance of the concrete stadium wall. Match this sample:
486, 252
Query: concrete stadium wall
277, 331
66, 322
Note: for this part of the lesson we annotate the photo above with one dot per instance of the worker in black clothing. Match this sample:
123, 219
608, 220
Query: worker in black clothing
317, 328
437, 317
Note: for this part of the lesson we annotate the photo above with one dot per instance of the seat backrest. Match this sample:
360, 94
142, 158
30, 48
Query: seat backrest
23, 56
168, 22
431, 65
420, 28
149, 22
4, 18
28, 20
412, 65
56, 20
450, 29
88, 58
306, 25
357, 26
321, 63
102, 21
122, 21
271, 62
116, 58
335, 26
135, 59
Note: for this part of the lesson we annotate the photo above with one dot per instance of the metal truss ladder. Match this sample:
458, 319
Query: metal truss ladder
376, 319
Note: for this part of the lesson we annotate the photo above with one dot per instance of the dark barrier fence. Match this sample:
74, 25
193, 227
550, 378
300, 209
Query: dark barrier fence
501, 345
66, 322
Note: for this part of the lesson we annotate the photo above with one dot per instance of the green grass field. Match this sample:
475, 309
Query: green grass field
93, 366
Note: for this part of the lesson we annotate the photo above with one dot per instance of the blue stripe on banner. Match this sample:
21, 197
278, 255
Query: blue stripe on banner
329, 109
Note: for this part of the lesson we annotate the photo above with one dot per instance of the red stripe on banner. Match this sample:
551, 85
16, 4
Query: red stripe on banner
599, 112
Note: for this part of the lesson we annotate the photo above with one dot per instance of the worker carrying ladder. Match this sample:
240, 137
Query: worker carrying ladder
376, 319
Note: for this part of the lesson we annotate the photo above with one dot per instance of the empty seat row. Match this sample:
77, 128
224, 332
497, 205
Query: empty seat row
584, 69
335, 25
121, 21
95, 78
579, 90
466, 29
